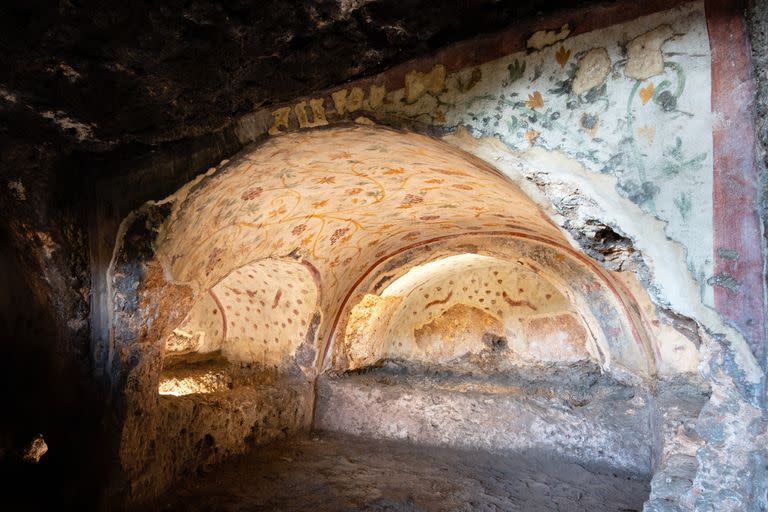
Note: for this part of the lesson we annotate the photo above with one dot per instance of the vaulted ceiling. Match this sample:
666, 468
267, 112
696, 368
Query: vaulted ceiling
277, 246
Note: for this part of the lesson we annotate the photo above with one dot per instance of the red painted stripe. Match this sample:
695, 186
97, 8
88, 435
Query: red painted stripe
223, 313
515, 303
440, 301
277, 298
736, 222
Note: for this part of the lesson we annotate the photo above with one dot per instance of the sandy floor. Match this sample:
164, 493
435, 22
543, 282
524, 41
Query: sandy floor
330, 472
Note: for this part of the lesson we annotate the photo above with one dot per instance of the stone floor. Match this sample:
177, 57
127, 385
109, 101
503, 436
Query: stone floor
332, 472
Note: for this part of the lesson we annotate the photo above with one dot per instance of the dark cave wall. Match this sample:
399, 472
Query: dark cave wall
44, 223
48, 386
26, 325
46, 391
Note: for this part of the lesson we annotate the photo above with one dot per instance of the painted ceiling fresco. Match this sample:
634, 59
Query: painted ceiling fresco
282, 242
338, 199
631, 101
621, 335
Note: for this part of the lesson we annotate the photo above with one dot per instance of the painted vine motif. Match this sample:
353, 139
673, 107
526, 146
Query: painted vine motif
339, 200
631, 101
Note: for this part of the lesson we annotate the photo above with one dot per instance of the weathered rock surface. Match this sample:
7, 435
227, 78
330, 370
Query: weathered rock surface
334, 472
577, 414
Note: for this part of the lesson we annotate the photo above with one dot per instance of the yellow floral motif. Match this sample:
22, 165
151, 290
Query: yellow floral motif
535, 100
531, 135
647, 132
646, 93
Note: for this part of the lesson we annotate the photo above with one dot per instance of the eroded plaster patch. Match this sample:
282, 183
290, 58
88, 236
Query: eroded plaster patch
418, 84
644, 56
544, 38
593, 69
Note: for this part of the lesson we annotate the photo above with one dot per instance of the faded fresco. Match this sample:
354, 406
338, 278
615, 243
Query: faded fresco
258, 313
336, 200
339, 199
630, 101
296, 225
638, 109
466, 304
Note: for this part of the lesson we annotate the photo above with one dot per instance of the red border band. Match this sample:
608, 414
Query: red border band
738, 255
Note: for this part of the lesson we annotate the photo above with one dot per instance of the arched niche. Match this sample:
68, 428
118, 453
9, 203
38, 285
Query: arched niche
263, 313
617, 333
465, 304
354, 207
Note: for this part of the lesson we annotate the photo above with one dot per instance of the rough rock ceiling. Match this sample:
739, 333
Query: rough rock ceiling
142, 71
